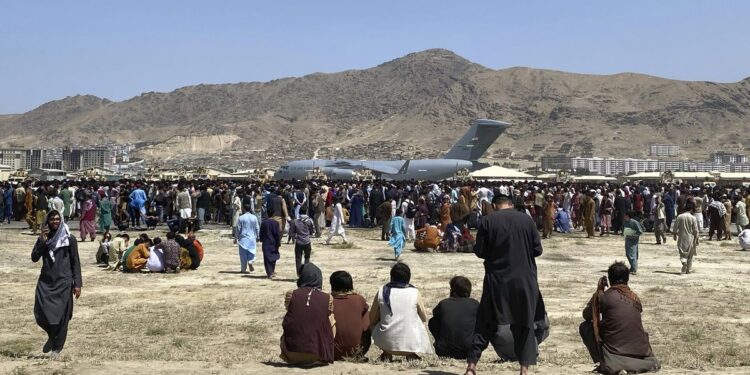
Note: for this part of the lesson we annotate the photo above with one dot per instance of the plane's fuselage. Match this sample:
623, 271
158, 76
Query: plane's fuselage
420, 169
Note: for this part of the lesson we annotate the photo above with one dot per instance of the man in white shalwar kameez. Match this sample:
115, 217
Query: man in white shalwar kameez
686, 233
337, 223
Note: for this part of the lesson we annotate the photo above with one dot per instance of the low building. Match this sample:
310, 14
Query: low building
555, 163
656, 149
43, 174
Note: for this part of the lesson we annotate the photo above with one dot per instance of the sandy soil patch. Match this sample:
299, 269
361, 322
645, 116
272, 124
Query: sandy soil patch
217, 321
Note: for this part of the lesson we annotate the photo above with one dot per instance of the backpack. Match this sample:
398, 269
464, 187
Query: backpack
411, 210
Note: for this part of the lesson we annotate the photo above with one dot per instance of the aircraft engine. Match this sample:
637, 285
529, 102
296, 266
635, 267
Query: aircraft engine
340, 174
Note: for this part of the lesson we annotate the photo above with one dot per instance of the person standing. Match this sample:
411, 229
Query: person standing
660, 223
105, 214
183, 205
40, 208
8, 200
203, 204
727, 217
246, 234
669, 209
300, 230
607, 209
319, 209
716, 212
588, 211
137, 206
699, 208
742, 220
270, 236
384, 218
508, 241
397, 230
549, 210
686, 231
88, 216
337, 223
59, 281
632, 231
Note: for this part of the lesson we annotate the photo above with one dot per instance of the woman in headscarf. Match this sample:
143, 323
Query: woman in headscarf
59, 281
88, 214
309, 324
398, 316
398, 228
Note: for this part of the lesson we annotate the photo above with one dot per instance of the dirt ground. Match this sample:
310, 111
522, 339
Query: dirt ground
217, 321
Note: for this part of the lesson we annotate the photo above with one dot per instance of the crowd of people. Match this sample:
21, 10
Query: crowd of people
510, 218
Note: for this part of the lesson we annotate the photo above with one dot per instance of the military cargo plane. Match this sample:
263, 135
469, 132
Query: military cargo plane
463, 155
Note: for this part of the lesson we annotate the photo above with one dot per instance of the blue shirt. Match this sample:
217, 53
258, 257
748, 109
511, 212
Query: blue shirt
247, 231
137, 198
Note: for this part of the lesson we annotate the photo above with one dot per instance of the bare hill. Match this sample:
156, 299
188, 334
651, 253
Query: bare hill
424, 98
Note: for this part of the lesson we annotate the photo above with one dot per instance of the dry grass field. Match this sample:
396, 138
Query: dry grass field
217, 321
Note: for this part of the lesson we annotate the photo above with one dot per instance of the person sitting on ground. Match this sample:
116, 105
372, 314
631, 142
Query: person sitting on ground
151, 218
352, 319
198, 246
102, 254
118, 247
309, 325
453, 320
397, 317
613, 330
126, 255
562, 221
138, 258
451, 239
192, 252
744, 238
156, 257
428, 238
466, 242
171, 250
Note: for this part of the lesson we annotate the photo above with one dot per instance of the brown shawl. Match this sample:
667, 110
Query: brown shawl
595, 308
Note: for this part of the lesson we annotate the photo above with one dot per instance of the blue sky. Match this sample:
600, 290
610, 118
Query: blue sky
52, 49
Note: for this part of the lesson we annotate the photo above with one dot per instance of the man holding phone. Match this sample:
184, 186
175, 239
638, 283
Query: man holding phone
59, 281
613, 330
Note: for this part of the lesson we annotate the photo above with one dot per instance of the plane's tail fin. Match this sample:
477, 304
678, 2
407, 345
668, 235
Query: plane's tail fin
477, 140
404, 167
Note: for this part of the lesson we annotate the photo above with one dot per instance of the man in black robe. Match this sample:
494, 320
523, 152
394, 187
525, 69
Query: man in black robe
59, 281
508, 241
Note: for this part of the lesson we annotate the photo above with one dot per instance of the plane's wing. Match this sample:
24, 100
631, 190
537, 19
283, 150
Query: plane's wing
379, 168
374, 166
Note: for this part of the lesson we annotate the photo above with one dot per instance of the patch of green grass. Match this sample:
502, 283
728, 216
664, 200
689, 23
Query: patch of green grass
20, 371
15, 348
155, 331
348, 245
693, 334
657, 289
557, 257
256, 332
179, 342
